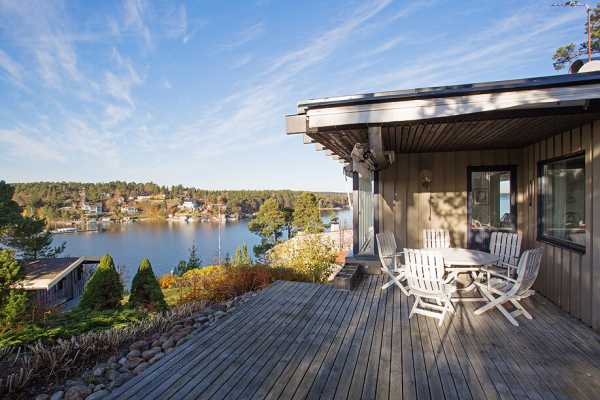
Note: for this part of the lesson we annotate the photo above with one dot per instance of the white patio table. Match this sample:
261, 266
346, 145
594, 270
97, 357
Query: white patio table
465, 261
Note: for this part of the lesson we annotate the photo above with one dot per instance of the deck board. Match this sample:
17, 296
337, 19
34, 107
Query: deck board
301, 340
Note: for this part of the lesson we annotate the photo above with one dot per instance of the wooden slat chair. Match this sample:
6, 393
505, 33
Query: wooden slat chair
507, 246
501, 287
436, 238
424, 271
390, 261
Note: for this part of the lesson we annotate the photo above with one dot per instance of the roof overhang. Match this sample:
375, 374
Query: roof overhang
451, 118
47, 281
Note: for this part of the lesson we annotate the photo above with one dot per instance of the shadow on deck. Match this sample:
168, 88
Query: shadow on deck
299, 340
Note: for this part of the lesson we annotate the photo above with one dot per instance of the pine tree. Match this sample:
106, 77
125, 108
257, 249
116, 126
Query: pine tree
145, 291
306, 216
13, 302
104, 290
241, 256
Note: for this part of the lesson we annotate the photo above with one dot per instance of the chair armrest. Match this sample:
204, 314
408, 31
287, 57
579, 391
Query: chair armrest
494, 273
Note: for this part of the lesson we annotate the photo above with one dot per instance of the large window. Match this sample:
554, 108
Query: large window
562, 202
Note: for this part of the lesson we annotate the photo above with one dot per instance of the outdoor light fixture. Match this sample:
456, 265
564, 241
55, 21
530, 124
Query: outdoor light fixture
426, 179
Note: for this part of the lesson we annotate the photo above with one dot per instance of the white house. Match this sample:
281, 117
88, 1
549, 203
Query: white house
190, 205
94, 209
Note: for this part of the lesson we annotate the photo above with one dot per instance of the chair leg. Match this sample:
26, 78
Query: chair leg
520, 307
414, 307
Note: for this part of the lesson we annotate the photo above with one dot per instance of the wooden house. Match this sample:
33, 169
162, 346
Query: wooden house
519, 155
57, 281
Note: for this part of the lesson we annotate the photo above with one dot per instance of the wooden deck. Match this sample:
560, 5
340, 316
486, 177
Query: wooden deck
299, 340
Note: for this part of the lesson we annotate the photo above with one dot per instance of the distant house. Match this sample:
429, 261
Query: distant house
56, 281
143, 197
129, 210
190, 205
93, 209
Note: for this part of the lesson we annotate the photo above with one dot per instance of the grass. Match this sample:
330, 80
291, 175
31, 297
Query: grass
71, 323
77, 321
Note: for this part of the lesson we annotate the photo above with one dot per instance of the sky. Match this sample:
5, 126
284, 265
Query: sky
195, 93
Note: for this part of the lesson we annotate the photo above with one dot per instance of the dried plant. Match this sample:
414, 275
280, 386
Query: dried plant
47, 362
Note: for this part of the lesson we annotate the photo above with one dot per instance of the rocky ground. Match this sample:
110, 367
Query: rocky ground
97, 382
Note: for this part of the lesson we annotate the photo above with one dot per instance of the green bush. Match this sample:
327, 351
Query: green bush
104, 290
145, 290
309, 255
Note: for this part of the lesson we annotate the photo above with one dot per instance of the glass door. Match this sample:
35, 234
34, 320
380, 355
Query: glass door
491, 203
366, 238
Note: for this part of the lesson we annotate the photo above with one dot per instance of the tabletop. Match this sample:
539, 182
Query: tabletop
457, 257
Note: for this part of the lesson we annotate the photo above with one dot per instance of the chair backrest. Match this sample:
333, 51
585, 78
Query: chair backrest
527, 270
424, 271
506, 245
436, 238
386, 243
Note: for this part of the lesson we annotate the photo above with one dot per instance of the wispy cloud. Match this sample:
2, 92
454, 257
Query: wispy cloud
11, 67
245, 36
167, 84
240, 61
134, 19
323, 45
383, 47
120, 85
21, 145
114, 114
175, 23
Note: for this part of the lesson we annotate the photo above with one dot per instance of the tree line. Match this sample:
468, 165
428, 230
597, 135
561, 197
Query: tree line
49, 198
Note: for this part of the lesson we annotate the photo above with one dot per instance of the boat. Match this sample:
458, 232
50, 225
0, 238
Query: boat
65, 230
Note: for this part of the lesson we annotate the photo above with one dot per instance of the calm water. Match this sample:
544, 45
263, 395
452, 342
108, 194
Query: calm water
165, 243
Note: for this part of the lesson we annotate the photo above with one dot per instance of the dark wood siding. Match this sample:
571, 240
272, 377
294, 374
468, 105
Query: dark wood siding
568, 278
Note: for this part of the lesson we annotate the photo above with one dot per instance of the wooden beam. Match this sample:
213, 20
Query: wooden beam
376, 145
296, 124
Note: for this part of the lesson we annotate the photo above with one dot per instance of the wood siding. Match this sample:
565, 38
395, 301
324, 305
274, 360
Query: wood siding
568, 278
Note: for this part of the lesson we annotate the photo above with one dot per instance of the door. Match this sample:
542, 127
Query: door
491, 203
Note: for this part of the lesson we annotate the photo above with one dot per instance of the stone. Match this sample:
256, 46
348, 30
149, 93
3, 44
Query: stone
120, 379
112, 359
57, 395
99, 371
74, 382
123, 360
156, 343
148, 354
168, 344
156, 357
42, 396
134, 354
181, 341
139, 345
134, 362
202, 319
140, 368
99, 387
112, 374
98, 395
169, 350
78, 392
220, 314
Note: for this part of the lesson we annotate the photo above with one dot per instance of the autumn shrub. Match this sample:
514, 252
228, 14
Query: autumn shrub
309, 255
167, 281
221, 283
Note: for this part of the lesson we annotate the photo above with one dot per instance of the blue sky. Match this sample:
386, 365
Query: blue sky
196, 92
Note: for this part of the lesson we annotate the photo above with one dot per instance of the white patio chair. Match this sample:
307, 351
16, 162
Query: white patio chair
424, 271
436, 238
501, 287
507, 246
390, 261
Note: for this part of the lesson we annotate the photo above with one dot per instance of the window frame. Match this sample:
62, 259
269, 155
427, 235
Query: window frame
540, 237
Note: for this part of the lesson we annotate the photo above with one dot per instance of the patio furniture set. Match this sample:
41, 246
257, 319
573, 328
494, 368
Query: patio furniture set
502, 275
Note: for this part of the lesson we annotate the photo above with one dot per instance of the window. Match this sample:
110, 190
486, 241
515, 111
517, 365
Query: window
60, 284
561, 214
491, 203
